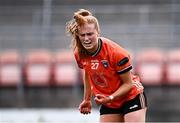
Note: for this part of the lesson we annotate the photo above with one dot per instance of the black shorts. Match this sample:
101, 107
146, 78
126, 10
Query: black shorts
139, 102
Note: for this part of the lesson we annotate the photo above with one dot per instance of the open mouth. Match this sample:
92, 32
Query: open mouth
87, 43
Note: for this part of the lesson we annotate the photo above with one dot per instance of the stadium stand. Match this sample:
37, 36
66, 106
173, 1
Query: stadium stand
173, 67
150, 66
38, 68
33, 24
10, 68
65, 72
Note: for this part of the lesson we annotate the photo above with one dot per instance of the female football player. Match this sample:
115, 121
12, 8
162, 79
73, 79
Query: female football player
107, 73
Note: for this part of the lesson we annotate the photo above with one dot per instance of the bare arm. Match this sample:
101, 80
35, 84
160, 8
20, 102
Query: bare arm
120, 92
87, 88
125, 87
85, 106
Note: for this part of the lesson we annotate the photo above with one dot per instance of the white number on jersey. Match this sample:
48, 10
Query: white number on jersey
94, 65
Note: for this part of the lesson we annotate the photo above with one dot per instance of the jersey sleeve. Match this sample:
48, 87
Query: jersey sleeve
122, 61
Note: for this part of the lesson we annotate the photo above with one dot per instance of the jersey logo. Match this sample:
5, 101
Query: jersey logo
105, 63
123, 61
99, 80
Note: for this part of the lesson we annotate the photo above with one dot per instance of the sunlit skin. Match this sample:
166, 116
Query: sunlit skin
88, 36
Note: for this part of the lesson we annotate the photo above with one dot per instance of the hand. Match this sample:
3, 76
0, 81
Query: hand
102, 99
85, 107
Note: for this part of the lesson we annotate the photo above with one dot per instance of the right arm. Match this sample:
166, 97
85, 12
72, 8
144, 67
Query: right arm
87, 88
85, 106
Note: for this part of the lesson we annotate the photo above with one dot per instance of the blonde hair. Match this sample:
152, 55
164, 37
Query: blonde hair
80, 18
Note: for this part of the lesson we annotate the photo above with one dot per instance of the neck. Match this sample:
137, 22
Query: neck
96, 49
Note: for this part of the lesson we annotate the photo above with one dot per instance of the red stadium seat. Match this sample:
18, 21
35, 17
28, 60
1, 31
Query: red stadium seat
150, 66
173, 67
38, 66
10, 69
65, 71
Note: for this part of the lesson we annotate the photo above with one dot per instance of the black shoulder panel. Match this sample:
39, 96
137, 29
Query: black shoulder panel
123, 61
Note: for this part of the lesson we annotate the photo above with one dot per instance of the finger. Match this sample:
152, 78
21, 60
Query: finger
86, 111
99, 96
81, 109
97, 101
96, 98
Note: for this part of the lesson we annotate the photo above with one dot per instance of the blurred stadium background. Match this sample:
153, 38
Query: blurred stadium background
39, 81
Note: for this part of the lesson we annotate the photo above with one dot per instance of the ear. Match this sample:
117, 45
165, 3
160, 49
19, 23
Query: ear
98, 34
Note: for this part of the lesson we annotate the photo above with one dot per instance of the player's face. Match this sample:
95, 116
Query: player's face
88, 36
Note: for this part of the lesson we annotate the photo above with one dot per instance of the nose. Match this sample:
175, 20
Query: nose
86, 37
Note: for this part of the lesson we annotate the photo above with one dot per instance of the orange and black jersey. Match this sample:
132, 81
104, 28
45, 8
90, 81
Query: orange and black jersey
104, 67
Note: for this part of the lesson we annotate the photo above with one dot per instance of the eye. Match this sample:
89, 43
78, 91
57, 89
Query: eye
90, 34
82, 35
86, 34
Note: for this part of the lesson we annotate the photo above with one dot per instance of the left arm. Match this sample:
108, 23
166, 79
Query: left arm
125, 87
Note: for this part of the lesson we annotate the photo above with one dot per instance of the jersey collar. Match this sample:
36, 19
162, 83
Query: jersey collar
98, 49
